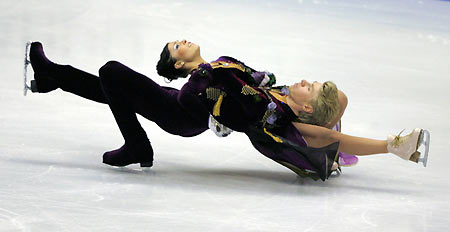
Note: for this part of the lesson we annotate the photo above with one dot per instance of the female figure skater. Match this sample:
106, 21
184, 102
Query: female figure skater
287, 124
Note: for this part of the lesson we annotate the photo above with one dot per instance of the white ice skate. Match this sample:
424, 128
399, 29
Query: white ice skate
26, 87
406, 147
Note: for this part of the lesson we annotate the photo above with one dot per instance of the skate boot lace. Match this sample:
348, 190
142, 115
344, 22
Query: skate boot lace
398, 140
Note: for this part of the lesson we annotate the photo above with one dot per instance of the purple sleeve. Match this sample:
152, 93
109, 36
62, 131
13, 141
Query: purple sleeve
188, 97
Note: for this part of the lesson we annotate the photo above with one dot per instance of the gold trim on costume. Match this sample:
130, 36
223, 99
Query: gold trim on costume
264, 118
247, 90
216, 109
223, 64
214, 93
278, 140
278, 96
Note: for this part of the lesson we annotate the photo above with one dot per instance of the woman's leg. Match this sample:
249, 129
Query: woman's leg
317, 136
405, 147
360, 146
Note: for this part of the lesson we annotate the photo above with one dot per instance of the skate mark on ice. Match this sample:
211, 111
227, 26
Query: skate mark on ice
12, 217
365, 220
97, 196
40, 175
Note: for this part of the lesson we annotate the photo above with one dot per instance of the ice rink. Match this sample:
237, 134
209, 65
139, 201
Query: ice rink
391, 58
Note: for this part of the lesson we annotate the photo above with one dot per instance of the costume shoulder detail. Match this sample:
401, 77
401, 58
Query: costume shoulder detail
256, 78
214, 93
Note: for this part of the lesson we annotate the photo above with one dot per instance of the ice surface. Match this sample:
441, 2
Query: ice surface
390, 57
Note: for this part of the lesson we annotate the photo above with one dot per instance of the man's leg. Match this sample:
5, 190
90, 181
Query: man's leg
49, 76
129, 92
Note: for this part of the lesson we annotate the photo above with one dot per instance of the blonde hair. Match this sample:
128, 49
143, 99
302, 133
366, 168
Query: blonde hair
325, 106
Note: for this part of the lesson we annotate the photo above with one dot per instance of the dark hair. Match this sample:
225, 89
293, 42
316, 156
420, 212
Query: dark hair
166, 68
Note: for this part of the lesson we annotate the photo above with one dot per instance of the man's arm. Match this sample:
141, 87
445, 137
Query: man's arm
188, 96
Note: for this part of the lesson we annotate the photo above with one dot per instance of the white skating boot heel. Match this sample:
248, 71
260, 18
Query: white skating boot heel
406, 146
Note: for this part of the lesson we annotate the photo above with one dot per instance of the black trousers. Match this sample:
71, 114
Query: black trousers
128, 92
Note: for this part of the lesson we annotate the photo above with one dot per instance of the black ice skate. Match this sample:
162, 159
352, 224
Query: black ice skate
42, 83
141, 153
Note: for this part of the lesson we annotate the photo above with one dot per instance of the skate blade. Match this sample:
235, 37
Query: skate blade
146, 170
336, 173
425, 140
26, 87
131, 169
422, 157
146, 164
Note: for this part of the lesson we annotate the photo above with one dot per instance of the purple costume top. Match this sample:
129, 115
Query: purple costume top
229, 90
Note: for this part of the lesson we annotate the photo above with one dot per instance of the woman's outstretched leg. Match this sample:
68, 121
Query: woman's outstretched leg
403, 146
49, 76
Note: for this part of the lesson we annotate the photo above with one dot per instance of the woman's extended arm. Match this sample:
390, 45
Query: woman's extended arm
317, 136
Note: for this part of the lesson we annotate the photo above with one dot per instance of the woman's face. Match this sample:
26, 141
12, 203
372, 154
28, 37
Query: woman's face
303, 92
184, 51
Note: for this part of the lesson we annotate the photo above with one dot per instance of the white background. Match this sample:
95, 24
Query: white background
391, 58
